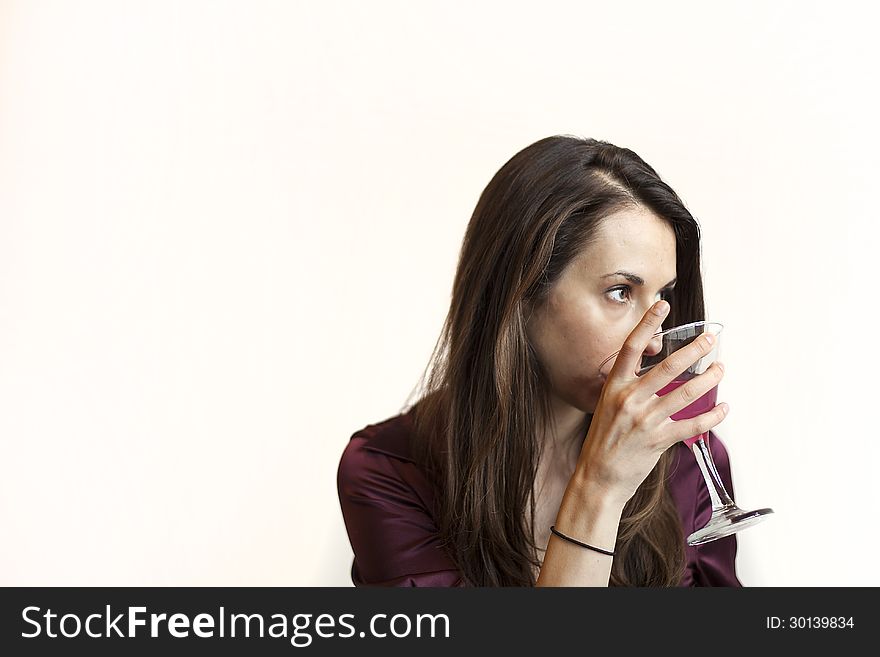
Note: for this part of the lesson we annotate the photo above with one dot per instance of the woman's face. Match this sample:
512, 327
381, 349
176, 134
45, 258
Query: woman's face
592, 309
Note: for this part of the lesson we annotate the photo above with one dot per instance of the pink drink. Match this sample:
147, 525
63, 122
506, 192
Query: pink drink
703, 404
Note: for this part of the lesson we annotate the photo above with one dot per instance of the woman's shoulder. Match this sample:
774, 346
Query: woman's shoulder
378, 461
379, 457
388, 508
390, 437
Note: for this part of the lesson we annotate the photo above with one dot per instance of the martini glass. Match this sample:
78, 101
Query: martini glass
727, 517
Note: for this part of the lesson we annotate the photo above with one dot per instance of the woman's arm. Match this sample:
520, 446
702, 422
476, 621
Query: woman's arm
587, 515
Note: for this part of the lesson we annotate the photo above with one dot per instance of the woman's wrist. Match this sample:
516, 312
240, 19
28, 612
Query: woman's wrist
589, 512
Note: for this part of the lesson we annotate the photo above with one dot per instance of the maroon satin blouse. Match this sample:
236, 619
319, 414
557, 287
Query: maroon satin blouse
386, 501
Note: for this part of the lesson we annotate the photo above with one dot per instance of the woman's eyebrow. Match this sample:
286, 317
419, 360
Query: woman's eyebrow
636, 280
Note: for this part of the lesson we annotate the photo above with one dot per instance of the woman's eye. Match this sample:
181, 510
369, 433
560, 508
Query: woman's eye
624, 291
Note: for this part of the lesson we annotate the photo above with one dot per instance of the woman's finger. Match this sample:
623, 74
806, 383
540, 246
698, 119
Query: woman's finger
687, 393
630, 357
678, 430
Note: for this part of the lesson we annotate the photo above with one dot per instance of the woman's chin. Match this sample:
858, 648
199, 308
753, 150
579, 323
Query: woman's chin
589, 404
583, 395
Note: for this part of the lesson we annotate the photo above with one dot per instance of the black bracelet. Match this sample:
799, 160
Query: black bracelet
589, 547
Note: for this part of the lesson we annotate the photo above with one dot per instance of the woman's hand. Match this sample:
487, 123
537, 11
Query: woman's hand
631, 426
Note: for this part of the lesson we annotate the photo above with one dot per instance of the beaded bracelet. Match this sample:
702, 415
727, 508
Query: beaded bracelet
589, 547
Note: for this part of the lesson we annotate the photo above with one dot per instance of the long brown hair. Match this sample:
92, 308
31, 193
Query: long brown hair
484, 393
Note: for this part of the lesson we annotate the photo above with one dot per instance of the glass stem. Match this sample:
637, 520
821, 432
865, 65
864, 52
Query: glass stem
717, 493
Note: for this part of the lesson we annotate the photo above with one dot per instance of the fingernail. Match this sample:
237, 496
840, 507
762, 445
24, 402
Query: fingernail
725, 408
720, 365
661, 308
709, 338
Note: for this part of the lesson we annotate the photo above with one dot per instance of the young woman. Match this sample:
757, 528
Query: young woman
576, 249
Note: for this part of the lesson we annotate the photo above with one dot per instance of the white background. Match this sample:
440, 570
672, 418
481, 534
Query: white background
228, 232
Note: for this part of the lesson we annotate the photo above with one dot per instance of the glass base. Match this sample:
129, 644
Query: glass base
725, 522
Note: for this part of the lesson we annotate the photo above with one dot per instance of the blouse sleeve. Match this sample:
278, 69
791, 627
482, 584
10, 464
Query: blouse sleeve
392, 533
716, 560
